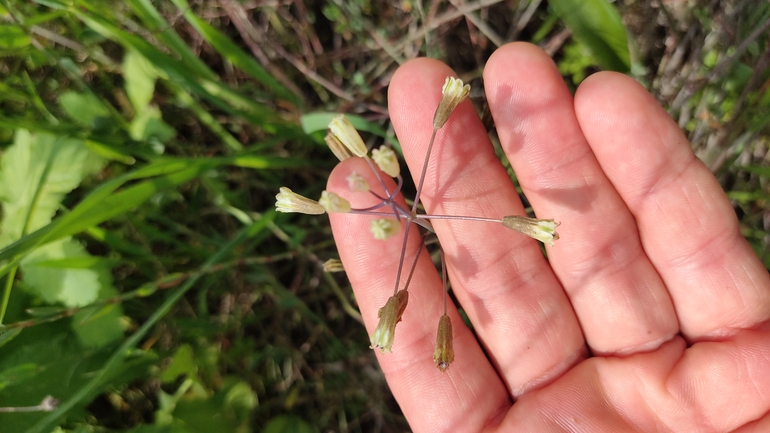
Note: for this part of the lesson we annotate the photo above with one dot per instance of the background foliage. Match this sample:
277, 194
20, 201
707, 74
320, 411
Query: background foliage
148, 284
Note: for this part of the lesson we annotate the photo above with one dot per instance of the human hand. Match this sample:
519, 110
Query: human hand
651, 311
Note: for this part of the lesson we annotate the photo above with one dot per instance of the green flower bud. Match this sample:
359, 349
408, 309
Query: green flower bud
542, 230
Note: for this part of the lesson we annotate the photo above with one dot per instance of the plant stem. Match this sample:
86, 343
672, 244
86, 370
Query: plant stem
424, 170
403, 256
443, 275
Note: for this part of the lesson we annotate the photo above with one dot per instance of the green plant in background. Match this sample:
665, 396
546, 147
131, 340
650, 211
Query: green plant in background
63, 320
148, 284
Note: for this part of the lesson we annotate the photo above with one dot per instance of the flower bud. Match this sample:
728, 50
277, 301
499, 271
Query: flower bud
356, 182
444, 353
288, 201
542, 230
333, 265
386, 159
389, 316
333, 203
384, 228
346, 134
338, 149
453, 93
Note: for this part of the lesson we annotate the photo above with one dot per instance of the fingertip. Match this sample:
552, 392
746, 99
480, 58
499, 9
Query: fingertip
416, 75
616, 98
516, 52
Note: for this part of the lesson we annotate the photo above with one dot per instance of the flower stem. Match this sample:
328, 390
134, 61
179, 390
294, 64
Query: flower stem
403, 256
443, 275
424, 170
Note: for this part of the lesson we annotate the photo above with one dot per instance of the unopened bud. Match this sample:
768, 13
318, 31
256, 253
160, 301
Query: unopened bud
542, 230
444, 353
386, 159
389, 315
452, 93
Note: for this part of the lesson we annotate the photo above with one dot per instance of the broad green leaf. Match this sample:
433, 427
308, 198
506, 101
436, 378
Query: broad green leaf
71, 287
139, 76
99, 326
13, 37
183, 363
80, 262
597, 25
148, 125
233, 52
36, 172
83, 108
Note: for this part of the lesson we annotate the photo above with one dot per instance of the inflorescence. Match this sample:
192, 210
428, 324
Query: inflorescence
345, 142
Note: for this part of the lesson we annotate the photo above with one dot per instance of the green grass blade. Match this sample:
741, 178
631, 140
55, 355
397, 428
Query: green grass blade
218, 94
229, 50
597, 25
166, 34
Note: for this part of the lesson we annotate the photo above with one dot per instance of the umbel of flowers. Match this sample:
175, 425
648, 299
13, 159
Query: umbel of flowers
345, 142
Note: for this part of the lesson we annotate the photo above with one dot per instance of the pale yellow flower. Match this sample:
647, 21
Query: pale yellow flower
356, 182
389, 315
542, 230
288, 201
444, 353
384, 228
331, 202
344, 131
452, 93
386, 159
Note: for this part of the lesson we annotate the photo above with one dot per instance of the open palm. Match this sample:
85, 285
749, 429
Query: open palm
651, 311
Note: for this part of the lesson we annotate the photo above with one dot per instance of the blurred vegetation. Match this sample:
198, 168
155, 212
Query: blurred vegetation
148, 284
